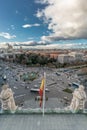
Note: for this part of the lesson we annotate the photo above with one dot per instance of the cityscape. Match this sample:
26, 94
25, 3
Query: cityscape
23, 69
43, 65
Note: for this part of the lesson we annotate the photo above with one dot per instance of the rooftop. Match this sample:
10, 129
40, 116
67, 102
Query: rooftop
48, 122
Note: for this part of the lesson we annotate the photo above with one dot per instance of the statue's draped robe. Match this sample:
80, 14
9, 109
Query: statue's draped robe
78, 101
7, 100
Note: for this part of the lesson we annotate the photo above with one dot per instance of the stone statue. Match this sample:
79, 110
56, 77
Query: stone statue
7, 99
78, 100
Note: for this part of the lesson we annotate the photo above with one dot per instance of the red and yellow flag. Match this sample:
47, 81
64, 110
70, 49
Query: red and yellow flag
41, 91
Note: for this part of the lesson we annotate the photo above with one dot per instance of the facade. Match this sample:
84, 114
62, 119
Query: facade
9, 56
85, 58
53, 55
65, 58
77, 56
70, 57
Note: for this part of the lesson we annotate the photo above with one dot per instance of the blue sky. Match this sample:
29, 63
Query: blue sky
43, 23
16, 13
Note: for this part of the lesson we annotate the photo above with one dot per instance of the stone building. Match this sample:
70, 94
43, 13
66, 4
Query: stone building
65, 58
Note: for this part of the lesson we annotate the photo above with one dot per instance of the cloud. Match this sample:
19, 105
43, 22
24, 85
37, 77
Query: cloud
36, 24
12, 27
26, 26
42, 1
30, 25
17, 12
26, 43
52, 38
7, 35
30, 38
44, 45
67, 19
39, 13
30, 43
25, 18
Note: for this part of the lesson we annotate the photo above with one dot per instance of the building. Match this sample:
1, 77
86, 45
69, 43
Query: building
78, 56
65, 58
53, 55
85, 58
70, 57
9, 56
47, 122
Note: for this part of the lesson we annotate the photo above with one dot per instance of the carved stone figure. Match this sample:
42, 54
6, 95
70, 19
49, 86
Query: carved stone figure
78, 100
7, 99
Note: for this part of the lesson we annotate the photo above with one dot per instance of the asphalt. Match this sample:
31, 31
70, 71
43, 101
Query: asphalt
56, 81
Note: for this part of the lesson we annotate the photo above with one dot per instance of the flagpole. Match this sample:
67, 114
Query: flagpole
44, 92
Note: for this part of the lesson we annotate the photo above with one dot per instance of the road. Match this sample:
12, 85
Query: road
56, 81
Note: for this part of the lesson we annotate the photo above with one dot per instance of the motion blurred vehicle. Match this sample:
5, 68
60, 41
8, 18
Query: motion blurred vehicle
35, 89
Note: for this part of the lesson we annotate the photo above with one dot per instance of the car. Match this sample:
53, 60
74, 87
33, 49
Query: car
38, 98
4, 77
1, 81
37, 90
75, 85
58, 74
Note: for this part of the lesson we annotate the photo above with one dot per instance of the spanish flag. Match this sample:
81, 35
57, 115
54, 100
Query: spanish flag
41, 91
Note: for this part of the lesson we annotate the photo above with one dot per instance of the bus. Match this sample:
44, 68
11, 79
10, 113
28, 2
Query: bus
75, 85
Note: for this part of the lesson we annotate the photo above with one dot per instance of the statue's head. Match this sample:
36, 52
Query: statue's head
81, 87
4, 87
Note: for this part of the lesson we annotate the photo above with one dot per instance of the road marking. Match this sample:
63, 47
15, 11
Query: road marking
20, 95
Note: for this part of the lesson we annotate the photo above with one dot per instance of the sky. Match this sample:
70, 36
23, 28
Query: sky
43, 23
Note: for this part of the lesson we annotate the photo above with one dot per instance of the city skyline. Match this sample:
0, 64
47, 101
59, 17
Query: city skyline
43, 23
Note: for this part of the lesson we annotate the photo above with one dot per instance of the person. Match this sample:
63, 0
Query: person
7, 98
78, 100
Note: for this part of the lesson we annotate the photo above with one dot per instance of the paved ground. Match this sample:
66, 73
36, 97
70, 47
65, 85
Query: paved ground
56, 80
48, 122
50, 103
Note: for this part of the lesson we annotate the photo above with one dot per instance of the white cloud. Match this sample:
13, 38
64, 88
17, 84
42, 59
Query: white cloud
66, 18
46, 38
26, 26
30, 43
36, 24
43, 45
39, 13
26, 43
55, 46
7, 35
30, 25
42, 42
41, 1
